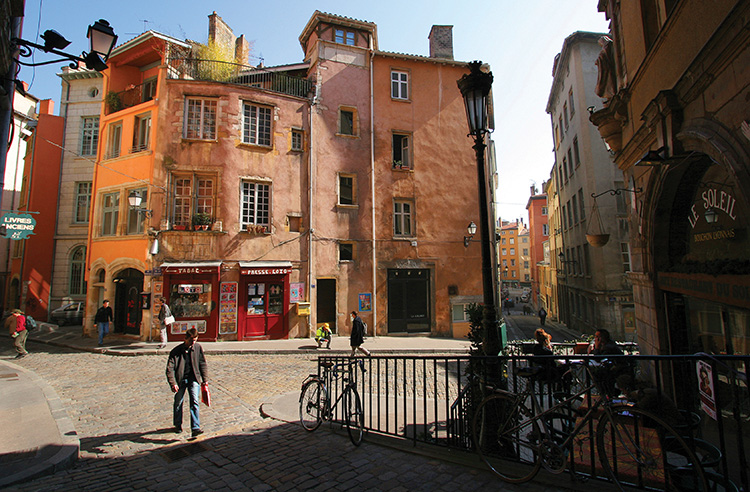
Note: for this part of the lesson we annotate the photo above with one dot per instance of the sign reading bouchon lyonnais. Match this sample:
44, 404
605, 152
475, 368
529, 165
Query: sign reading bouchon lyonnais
18, 225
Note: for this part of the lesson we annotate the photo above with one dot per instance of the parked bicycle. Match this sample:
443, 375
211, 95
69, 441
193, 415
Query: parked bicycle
315, 398
516, 436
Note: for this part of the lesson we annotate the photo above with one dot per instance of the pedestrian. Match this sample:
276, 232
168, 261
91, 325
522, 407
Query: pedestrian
542, 315
16, 326
187, 370
603, 344
606, 371
101, 320
165, 319
358, 334
323, 334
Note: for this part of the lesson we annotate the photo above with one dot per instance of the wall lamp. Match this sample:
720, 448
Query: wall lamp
653, 158
134, 200
101, 36
471, 229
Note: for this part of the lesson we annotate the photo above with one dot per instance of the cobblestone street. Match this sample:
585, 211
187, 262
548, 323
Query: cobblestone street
121, 409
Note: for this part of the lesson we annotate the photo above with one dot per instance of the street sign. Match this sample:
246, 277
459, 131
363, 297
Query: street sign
155, 271
18, 225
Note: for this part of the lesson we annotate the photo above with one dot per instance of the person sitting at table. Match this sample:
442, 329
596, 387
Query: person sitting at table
606, 372
543, 346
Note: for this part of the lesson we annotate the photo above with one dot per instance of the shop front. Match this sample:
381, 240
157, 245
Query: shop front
703, 266
192, 292
263, 300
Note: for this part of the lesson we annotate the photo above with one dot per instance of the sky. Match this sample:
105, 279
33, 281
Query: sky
519, 40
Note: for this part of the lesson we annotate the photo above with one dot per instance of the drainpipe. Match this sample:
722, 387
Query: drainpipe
311, 186
372, 193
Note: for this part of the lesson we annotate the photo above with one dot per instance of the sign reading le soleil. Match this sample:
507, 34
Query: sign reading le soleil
18, 225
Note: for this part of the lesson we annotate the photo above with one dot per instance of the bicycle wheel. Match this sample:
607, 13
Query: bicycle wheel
312, 404
506, 438
638, 449
355, 416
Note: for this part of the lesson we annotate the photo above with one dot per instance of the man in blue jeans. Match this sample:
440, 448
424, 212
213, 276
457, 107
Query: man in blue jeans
187, 370
102, 319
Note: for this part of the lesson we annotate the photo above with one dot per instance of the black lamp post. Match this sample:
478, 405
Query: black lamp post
475, 87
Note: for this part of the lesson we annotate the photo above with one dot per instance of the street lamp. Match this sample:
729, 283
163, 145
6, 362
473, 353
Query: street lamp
475, 88
101, 36
471, 229
134, 200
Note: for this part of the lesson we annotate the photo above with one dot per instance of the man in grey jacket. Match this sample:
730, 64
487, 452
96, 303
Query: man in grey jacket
187, 370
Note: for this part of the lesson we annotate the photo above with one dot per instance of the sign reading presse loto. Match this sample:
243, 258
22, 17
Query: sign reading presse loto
18, 225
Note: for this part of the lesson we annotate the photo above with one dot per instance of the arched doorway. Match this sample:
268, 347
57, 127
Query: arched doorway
128, 287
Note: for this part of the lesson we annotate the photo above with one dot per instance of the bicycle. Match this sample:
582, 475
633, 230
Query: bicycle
515, 436
315, 398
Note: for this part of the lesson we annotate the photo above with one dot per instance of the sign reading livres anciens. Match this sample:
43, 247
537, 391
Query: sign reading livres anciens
727, 289
18, 225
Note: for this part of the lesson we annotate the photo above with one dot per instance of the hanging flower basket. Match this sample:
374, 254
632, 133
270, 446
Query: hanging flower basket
597, 240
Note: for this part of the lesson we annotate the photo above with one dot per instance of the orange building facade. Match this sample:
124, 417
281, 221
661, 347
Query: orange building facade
538, 234
334, 185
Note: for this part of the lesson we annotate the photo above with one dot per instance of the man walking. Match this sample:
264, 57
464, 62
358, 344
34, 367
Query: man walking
16, 326
187, 370
542, 315
101, 320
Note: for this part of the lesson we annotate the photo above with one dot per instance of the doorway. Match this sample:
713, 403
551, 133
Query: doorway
325, 310
128, 288
409, 301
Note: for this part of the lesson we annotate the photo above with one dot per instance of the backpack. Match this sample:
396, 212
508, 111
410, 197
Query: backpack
30, 323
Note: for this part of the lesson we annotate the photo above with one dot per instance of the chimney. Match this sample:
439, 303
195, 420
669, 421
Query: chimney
47, 106
441, 42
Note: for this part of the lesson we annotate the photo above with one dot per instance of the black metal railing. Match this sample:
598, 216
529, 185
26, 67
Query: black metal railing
233, 73
131, 96
431, 399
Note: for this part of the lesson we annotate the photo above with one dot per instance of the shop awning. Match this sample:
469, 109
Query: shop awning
191, 267
265, 267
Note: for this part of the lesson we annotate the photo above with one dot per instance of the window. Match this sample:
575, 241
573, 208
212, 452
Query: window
399, 85
513, 273
458, 313
574, 206
505, 251
115, 138
565, 115
571, 103
344, 37
565, 168
576, 152
200, 118
347, 192
402, 218
89, 135
348, 124
502, 240
346, 252
625, 250
513, 251
110, 213
141, 132
82, 203
525, 252
586, 259
545, 230
562, 131
256, 204
581, 204
135, 218
512, 240
526, 264
505, 262
570, 160
193, 194
512, 262
297, 140
579, 261
544, 210
565, 224
77, 283
401, 152
256, 125
570, 215
149, 89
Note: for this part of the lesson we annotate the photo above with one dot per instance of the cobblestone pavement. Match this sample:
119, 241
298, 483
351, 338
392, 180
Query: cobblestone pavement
121, 408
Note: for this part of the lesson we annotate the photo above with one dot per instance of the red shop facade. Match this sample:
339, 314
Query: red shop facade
192, 292
263, 300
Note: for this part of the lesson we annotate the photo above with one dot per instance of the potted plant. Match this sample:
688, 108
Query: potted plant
201, 221
113, 101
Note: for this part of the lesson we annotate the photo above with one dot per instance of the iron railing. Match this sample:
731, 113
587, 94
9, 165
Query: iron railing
430, 399
233, 73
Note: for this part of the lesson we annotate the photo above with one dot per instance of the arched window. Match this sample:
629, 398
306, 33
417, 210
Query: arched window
77, 268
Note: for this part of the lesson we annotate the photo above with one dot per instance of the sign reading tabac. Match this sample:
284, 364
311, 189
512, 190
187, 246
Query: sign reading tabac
18, 225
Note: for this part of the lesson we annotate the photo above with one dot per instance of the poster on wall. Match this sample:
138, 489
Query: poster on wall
365, 302
157, 289
228, 308
706, 388
180, 327
296, 292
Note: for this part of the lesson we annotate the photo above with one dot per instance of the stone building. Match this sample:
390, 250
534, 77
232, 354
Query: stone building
591, 249
538, 235
333, 185
675, 78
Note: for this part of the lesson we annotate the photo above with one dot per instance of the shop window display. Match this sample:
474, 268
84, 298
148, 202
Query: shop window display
191, 300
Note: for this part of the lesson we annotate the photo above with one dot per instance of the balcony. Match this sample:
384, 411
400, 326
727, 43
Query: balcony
233, 73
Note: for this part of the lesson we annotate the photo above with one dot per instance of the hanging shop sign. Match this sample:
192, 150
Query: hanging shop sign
18, 225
